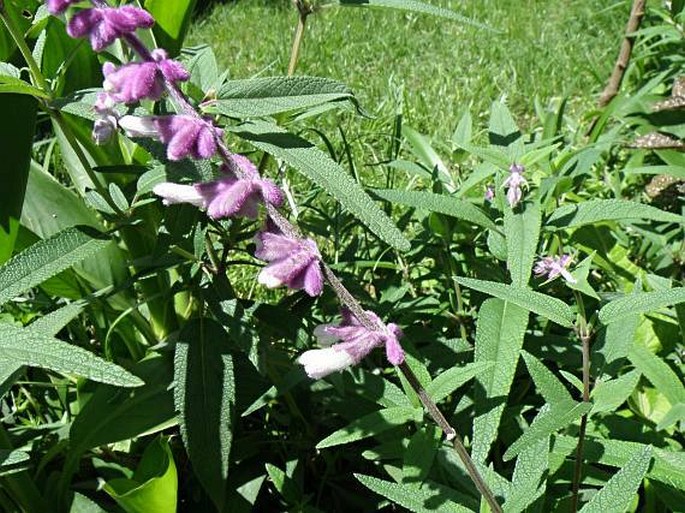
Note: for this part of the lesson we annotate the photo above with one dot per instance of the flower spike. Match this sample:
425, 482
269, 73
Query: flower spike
513, 184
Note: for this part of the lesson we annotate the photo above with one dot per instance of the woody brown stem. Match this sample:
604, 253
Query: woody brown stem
637, 12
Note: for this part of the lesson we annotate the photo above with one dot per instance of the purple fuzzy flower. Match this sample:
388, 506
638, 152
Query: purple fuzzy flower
105, 125
489, 194
293, 262
239, 193
134, 82
553, 267
184, 135
103, 25
57, 7
513, 184
354, 342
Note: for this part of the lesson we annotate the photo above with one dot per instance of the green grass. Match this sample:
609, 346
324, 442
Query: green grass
546, 49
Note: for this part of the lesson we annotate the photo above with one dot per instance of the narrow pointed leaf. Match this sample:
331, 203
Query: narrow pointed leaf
547, 423
620, 490
551, 389
632, 304
266, 96
204, 393
528, 482
499, 338
550, 307
447, 382
522, 231
595, 211
10, 459
172, 19
429, 157
414, 498
658, 372
440, 203
326, 173
45, 259
371, 425
23, 346
413, 6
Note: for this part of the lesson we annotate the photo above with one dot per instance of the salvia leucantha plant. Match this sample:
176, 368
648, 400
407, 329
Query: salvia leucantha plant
142, 242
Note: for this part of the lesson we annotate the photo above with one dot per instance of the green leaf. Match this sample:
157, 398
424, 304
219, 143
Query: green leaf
413, 6
24, 346
17, 131
609, 395
522, 231
83, 504
447, 382
420, 453
417, 499
46, 259
9, 460
547, 422
371, 425
597, 211
172, 19
326, 173
204, 393
499, 338
668, 468
54, 322
528, 481
429, 157
632, 304
266, 96
620, 490
619, 337
440, 203
504, 133
111, 416
676, 171
546, 383
674, 415
14, 86
550, 307
154, 485
283, 483
658, 372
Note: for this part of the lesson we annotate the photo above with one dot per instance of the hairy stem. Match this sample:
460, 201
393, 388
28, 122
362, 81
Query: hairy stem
585, 334
451, 435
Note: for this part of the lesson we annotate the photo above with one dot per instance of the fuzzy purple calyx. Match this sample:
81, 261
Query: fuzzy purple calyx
103, 25
293, 262
143, 80
349, 342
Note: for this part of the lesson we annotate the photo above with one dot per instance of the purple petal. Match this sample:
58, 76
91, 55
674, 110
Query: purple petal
313, 279
271, 246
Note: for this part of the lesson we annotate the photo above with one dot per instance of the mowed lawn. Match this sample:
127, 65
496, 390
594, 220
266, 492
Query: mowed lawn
545, 49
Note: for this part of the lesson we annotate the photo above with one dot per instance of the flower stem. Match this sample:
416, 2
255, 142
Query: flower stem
585, 334
451, 435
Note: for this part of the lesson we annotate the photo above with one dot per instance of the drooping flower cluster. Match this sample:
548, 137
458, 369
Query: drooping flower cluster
513, 184
349, 342
551, 267
292, 260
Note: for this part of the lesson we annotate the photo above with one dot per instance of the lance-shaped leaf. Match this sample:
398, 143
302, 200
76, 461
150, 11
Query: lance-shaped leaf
640, 303
499, 338
528, 482
429, 498
547, 422
371, 425
447, 382
550, 307
47, 258
440, 203
9, 460
522, 231
546, 383
429, 157
413, 6
172, 19
620, 490
325, 172
658, 372
266, 96
204, 394
596, 211
23, 346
